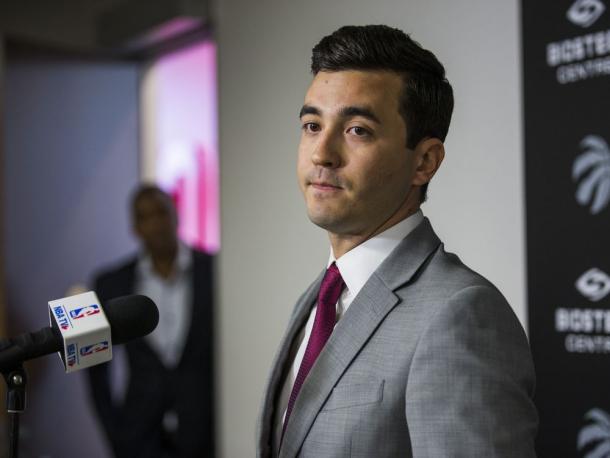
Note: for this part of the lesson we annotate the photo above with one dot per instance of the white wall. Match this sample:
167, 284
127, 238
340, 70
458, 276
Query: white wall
270, 251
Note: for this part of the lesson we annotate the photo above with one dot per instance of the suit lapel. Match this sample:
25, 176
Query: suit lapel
281, 364
367, 311
349, 336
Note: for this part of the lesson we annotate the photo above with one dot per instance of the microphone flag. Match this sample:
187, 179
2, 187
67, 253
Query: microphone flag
84, 328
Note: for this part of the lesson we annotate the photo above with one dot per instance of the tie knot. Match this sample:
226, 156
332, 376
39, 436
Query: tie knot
333, 271
331, 286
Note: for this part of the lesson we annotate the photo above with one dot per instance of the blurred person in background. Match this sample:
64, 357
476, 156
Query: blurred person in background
156, 398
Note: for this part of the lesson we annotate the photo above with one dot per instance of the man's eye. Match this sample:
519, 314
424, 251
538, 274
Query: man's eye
311, 127
359, 131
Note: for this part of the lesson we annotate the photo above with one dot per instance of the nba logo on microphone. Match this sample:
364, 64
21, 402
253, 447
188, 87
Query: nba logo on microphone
95, 348
60, 316
71, 355
84, 311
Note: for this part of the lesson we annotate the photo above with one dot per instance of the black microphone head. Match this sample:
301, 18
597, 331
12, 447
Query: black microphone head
131, 317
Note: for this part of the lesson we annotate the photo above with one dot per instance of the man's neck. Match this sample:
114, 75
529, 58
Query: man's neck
163, 264
342, 243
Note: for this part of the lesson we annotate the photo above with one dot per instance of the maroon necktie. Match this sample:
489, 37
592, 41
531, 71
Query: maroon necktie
323, 325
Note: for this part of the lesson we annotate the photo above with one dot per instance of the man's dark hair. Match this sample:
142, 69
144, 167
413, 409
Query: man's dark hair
426, 102
149, 190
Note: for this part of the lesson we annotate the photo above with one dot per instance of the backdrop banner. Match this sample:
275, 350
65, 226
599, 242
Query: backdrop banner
566, 49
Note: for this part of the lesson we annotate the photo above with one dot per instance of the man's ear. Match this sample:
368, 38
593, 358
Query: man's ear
429, 154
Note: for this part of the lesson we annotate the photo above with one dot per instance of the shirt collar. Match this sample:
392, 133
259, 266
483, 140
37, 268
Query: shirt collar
182, 263
358, 264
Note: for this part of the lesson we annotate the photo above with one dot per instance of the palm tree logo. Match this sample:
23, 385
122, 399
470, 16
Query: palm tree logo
594, 438
591, 170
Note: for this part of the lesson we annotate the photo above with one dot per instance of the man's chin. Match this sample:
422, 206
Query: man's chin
329, 222
163, 248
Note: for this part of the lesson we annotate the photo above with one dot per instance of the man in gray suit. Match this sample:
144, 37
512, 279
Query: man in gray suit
397, 349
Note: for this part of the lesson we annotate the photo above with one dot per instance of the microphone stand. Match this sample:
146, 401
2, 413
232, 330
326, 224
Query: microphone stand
16, 379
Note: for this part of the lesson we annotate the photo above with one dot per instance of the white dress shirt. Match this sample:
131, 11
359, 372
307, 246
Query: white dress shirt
356, 267
173, 297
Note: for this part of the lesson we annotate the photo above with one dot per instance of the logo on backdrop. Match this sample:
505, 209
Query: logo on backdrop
594, 284
582, 57
586, 328
585, 12
591, 172
594, 438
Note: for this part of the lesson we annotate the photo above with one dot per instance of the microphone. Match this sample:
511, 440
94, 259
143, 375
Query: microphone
130, 317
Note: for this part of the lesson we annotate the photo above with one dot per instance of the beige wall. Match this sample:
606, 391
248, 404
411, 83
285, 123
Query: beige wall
270, 251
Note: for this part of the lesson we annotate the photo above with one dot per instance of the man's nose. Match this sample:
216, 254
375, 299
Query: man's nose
327, 151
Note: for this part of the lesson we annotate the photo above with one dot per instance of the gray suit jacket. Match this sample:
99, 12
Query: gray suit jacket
428, 361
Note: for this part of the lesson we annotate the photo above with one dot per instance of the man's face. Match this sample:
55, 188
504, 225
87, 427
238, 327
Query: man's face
354, 168
155, 223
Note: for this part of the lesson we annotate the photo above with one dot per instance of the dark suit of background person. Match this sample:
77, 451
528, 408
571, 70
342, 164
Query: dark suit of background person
135, 427
411, 353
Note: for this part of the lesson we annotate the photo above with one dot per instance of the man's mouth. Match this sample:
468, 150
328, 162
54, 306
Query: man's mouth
324, 186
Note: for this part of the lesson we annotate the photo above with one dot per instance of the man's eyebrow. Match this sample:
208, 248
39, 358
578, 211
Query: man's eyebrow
345, 112
350, 112
308, 109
